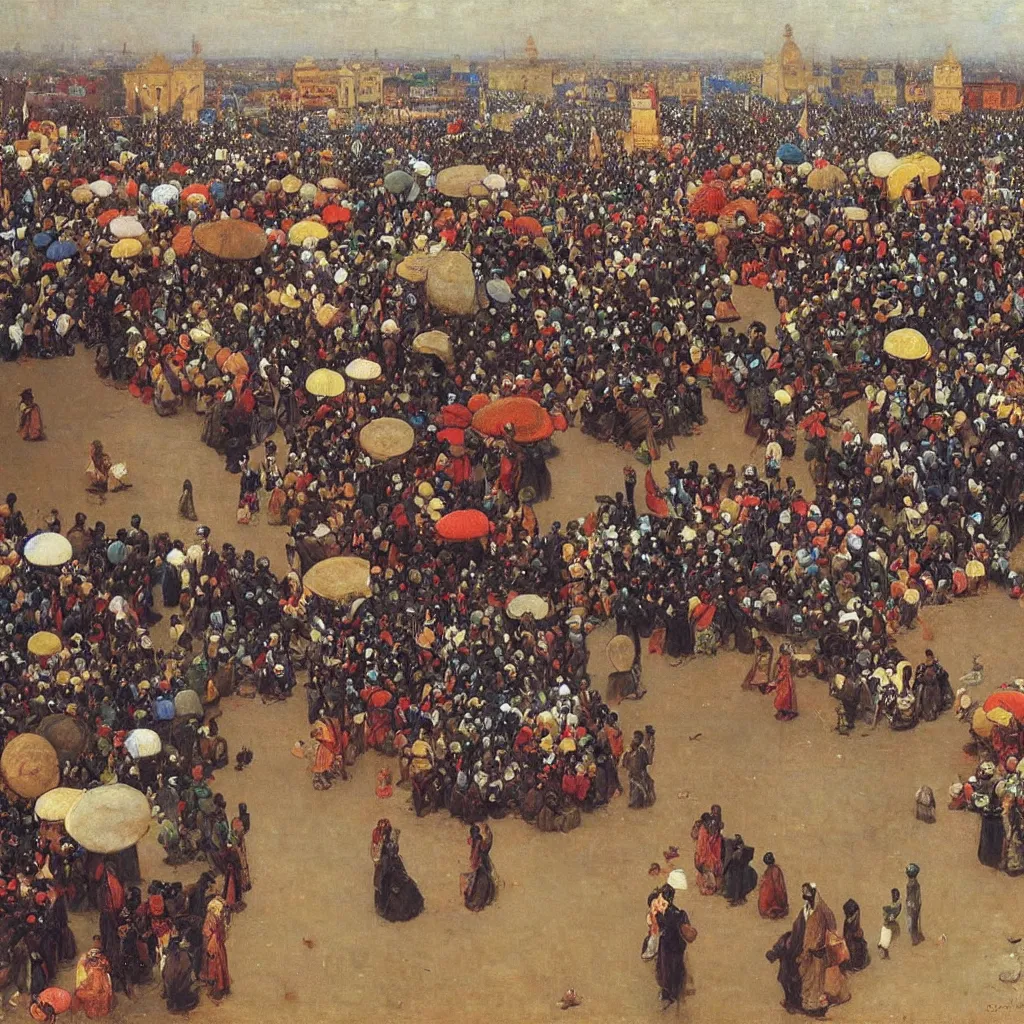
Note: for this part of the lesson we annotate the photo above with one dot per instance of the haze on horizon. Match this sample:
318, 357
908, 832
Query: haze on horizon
881, 29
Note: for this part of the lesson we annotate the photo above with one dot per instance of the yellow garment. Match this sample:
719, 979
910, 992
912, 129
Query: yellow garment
420, 751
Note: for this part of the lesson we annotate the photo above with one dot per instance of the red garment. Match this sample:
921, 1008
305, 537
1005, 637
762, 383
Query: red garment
772, 899
785, 695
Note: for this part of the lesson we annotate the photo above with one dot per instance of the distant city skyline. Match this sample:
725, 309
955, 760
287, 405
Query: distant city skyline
979, 30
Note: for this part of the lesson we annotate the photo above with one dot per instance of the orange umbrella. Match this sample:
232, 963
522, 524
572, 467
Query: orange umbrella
772, 225
477, 402
746, 207
465, 524
106, 217
528, 226
530, 421
231, 239
182, 241
971, 195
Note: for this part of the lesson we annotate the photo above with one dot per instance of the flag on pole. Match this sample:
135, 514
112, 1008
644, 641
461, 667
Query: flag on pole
801, 125
695, 115
746, 103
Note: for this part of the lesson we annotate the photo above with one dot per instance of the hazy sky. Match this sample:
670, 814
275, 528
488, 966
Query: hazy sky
628, 28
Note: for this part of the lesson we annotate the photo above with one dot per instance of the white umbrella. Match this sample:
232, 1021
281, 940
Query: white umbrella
532, 604
362, 369
166, 194
495, 182
101, 188
109, 819
143, 743
186, 703
422, 168
126, 227
175, 557
48, 549
877, 439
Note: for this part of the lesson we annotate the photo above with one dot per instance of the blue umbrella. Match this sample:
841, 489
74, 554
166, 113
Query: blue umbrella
787, 153
218, 190
61, 250
42, 240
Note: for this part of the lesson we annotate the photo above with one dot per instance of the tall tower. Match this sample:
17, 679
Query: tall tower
947, 87
531, 50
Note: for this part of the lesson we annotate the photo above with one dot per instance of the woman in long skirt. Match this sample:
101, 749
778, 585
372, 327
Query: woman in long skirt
478, 886
396, 896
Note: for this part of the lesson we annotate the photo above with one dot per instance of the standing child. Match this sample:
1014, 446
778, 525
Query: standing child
890, 923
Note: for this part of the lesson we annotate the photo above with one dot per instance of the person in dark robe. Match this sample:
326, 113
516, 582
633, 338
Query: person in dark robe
678, 631
993, 832
641, 785
186, 503
179, 982
853, 936
170, 585
784, 953
396, 897
478, 886
772, 898
673, 928
739, 877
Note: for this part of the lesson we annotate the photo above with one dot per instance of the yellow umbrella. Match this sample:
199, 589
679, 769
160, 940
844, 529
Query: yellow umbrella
783, 397
902, 175
730, 506
855, 213
325, 383
339, 579
57, 803
29, 766
304, 229
126, 248
931, 167
974, 569
982, 724
414, 268
44, 644
824, 179
906, 343
434, 343
290, 184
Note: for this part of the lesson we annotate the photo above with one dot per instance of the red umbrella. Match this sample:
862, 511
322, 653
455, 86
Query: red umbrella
177, 169
819, 163
528, 226
453, 435
592, 230
776, 193
455, 416
465, 524
726, 171
1011, 700
708, 201
197, 189
709, 176
380, 698
530, 421
971, 195
334, 214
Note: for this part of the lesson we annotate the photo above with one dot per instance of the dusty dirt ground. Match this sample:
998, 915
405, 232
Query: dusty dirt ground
838, 811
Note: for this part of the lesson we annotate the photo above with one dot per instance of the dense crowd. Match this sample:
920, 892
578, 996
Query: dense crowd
616, 311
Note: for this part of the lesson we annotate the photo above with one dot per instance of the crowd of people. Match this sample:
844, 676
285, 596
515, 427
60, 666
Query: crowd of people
613, 305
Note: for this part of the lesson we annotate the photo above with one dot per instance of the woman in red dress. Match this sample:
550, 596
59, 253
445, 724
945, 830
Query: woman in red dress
215, 952
772, 898
782, 686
